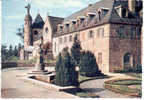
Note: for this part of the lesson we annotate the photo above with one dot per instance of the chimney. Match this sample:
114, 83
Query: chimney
131, 5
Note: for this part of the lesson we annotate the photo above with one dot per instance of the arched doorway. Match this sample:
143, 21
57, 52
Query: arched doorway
127, 61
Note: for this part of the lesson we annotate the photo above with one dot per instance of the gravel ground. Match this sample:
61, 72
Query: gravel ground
97, 86
14, 87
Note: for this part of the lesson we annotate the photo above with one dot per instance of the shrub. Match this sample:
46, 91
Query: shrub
88, 65
65, 70
75, 51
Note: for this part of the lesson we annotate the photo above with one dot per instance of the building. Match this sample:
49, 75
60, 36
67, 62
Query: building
111, 29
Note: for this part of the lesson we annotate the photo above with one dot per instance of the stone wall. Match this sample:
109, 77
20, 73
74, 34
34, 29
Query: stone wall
98, 43
120, 46
18, 64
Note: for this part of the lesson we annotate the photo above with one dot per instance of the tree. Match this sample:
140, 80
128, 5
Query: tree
76, 51
4, 53
65, 70
88, 65
15, 52
10, 51
20, 32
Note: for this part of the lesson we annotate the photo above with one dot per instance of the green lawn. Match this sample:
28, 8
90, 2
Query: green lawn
125, 86
85, 78
137, 75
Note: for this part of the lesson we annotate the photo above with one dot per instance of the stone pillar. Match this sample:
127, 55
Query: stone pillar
39, 66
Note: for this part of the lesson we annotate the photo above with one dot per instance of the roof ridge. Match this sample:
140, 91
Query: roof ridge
56, 17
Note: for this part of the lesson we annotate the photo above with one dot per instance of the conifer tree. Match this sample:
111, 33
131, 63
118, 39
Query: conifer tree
88, 65
65, 70
76, 51
10, 51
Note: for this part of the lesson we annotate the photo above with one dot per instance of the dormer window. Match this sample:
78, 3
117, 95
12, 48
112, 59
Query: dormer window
81, 20
66, 26
60, 27
104, 10
91, 16
73, 24
35, 32
121, 11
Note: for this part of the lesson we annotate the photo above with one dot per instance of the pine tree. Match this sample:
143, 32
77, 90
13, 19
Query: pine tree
58, 70
65, 70
88, 65
10, 51
76, 51
15, 52
4, 53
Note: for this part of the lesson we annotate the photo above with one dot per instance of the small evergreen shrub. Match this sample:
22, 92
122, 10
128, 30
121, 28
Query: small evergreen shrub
76, 51
65, 70
88, 65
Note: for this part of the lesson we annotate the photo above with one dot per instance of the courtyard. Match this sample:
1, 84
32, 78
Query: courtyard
14, 87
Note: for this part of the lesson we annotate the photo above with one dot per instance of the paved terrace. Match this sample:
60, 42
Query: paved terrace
14, 87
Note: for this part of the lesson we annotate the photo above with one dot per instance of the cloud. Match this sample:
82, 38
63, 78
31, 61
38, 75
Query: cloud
58, 3
14, 17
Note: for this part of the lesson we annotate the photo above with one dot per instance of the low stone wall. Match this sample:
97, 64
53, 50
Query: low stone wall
15, 64
18, 64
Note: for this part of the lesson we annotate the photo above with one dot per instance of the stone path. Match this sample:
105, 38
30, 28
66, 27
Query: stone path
96, 86
13, 87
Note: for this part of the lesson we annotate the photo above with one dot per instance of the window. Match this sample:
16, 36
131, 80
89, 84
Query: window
35, 32
132, 32
120, 32
60, 40
100, 32
90, 34
77, 35
91, 17
100, 58
70, 38
65, 39
55, 47
46, 30
138, 31
104, 11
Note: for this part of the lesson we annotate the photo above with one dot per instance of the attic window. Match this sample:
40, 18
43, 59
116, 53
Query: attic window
91, 16
82, 20
35, 32
60, 27
104, 11
73, 21
67, 25
121, 11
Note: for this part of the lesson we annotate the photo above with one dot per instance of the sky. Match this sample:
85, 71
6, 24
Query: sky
13, 14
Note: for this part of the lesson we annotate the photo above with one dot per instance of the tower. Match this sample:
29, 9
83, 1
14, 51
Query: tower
27, 28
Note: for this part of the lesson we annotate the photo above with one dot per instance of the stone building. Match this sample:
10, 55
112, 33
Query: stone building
111, 29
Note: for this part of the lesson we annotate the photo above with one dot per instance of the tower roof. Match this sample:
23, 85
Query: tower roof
38, 22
